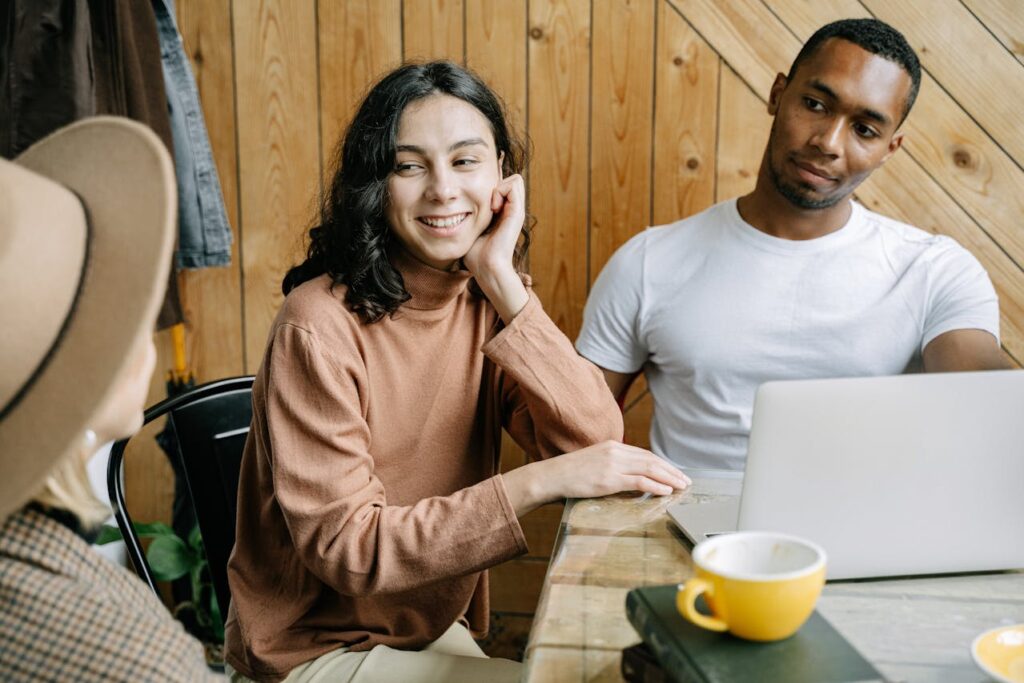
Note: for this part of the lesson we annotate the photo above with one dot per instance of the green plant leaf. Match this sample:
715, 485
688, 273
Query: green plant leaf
108, 534
153, 530
170, 558
218, 620
195, 539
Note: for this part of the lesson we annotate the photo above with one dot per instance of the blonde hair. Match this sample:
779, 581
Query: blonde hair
68, 488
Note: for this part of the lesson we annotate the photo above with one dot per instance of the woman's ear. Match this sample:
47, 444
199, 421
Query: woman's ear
501, 165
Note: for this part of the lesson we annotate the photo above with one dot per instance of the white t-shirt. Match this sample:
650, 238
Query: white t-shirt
710, 307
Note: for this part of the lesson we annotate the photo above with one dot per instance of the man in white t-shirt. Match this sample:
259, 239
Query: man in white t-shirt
793, 280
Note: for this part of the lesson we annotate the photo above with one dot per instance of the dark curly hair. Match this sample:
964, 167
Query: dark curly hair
353, 238
875, 36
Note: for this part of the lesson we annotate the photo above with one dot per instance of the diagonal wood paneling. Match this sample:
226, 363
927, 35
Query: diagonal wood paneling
1004, 19
952, 149
685, 120
743, 126
957, 181
944, 32
744, 29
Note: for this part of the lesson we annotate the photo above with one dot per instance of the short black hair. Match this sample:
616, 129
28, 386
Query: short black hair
877, 37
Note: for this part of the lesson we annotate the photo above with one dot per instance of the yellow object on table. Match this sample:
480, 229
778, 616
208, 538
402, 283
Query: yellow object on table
1000, 653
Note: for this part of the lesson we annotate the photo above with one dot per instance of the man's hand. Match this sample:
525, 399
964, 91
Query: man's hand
963, 350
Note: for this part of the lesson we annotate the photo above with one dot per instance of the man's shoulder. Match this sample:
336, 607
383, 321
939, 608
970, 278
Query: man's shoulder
902, 232
666, 239
904, 241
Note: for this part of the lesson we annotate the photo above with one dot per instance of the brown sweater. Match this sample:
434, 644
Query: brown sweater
370, 504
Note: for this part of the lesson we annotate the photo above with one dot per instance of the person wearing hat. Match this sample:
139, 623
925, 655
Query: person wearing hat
86, 232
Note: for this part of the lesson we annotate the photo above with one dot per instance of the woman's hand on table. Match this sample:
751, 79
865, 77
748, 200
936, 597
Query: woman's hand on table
599, 470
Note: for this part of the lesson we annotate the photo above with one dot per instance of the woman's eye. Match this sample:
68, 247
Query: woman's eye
405, 167
466, 162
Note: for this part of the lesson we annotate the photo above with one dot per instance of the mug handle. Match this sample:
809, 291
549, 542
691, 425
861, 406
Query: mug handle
686, 603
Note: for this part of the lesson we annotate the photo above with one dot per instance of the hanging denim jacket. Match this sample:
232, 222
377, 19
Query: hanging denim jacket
204, 237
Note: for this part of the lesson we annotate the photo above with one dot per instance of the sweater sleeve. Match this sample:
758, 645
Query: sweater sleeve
335, 508
554, 401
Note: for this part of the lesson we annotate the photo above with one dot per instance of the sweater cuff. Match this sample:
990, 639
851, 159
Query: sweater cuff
510, 515
523, 319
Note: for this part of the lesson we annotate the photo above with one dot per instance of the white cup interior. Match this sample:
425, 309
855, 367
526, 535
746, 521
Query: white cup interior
758, 556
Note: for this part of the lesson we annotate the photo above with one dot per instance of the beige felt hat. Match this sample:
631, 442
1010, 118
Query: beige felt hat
86, 232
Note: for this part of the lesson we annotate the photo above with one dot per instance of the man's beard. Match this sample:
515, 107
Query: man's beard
795, 194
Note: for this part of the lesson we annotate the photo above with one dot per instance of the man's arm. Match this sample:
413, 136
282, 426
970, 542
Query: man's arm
961, 350
619, 383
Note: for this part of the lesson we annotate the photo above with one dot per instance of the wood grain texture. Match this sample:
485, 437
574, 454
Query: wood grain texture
558, 665
278, 154
1004, 19
685, 120
433, 29
622, 104
212, 297
896, 190
720, 28
516, 585
743, 124
496, 49
360, 41
745, 33
540, 528
952, 149
956, 49
950, 178
638, 407
559, 124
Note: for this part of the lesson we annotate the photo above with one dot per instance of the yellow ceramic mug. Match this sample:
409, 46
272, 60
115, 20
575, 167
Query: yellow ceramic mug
759, 585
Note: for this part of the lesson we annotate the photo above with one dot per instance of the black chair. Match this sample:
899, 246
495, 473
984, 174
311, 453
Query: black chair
209, 424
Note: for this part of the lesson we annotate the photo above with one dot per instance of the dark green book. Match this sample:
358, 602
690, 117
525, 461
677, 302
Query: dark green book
817, 653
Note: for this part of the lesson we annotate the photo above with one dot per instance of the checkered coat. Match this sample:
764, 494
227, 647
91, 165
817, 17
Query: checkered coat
69, 614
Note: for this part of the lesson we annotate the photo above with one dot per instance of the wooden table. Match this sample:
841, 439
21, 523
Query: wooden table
916, 629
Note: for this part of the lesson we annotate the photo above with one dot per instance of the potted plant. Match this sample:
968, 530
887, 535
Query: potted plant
172, 557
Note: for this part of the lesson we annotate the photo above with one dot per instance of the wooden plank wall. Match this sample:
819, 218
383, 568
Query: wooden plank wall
639, 111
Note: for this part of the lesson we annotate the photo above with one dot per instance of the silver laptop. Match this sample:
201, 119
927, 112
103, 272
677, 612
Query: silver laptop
915, 474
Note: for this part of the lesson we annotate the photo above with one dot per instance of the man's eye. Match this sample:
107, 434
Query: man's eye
466, 161
813, 105
866, 132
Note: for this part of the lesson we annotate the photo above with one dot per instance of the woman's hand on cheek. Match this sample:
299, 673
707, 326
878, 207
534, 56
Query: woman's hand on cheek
494, 248
490, 257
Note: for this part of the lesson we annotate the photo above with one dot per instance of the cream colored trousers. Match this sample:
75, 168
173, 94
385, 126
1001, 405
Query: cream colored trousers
453, 658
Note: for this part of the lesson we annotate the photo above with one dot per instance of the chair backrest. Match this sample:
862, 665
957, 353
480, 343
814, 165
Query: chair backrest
210, 423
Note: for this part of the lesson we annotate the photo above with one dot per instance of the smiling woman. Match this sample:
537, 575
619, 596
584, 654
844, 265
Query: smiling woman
370, 503
445, 177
